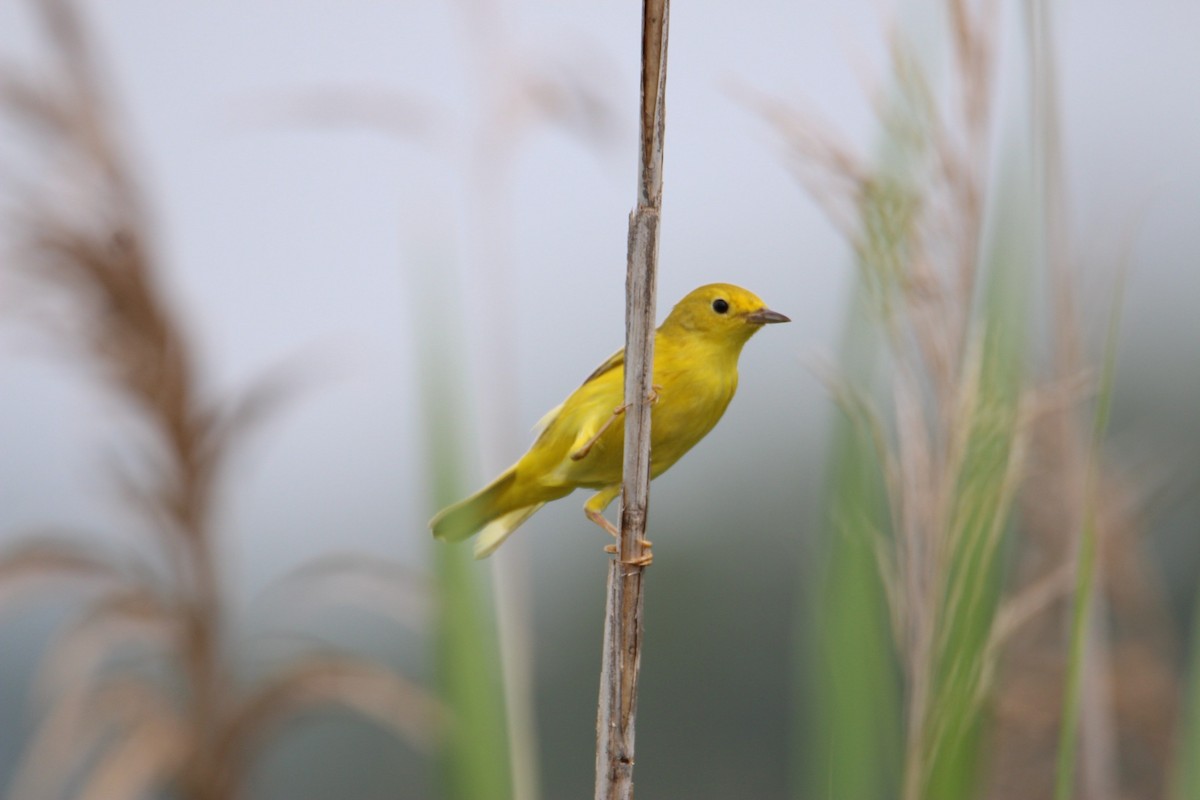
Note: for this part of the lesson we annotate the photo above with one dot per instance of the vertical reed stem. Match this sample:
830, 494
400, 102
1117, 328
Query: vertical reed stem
623, 612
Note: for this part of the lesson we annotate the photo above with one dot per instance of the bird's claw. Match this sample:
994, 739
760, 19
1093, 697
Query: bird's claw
644, 560
593, 510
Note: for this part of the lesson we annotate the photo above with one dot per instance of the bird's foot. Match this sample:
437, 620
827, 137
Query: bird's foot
644, 560
598, 518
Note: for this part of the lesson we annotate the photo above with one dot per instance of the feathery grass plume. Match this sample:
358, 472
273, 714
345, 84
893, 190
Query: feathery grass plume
989, 473
950, 451
140, 694
964, 424
1128, 683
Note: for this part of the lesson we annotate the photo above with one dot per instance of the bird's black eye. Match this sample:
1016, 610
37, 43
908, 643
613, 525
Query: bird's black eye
720, 306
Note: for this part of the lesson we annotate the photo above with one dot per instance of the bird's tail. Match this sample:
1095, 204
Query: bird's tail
496, 531
489, 509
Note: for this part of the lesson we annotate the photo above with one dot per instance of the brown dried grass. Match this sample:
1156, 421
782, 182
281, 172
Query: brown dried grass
914, 220
114, 727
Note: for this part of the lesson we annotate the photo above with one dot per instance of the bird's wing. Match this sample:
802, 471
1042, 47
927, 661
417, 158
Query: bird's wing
546, 419
617, 359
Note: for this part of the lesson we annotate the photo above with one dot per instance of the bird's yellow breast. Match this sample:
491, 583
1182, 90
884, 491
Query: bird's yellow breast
696, 389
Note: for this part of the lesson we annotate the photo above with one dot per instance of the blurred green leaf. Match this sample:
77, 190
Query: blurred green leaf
1085, 569
473, 759
852, 746
988, 477
1186, 783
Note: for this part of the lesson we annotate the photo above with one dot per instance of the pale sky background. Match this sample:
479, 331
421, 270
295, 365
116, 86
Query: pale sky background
289, 241
292, 242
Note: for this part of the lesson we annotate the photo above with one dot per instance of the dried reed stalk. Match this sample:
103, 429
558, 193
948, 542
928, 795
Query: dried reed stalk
622, 653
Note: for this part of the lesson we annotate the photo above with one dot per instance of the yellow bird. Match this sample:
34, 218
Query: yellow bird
696, 353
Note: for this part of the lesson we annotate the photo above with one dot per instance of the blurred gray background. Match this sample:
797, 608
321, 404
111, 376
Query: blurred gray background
304, 228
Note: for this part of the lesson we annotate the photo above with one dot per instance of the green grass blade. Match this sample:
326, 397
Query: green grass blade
987, 484
988, 475
982, 507
1186, 781
1068, 739
851, 746
473, 759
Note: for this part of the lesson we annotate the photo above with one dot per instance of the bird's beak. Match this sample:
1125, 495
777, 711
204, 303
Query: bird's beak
765, 316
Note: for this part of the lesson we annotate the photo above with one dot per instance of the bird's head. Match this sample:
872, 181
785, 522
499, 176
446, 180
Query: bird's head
721, 312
